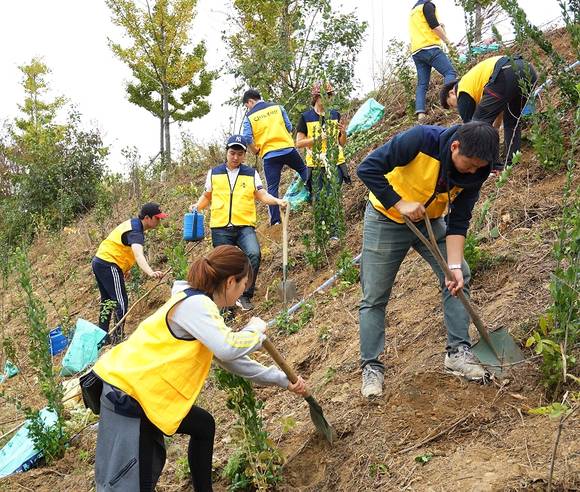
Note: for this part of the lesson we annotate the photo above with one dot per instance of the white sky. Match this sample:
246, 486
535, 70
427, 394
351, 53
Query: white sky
71, 37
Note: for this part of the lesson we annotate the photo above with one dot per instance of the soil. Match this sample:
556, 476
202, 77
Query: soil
473, 437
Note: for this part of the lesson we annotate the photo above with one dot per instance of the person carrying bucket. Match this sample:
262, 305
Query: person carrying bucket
151, 381
231, 189
426, 170
496, 85
267, 128
116, 255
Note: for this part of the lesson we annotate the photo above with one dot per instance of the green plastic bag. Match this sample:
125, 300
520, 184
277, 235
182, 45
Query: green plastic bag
10, 370
83, 349
19, 454
368, 115
297, 193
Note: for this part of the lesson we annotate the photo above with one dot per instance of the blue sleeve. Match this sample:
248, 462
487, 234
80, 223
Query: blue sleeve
286, 119
398, 151
465, 106
247, 131
461, 210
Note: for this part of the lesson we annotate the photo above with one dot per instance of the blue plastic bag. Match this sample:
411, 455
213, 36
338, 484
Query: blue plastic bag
83, 349
297, 193
19, 454
368, 115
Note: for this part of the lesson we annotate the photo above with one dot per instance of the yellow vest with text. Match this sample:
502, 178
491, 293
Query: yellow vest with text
313, 126
421, 34
114, 251
269, 129
416, 182
474, 81
163, 373
237, 206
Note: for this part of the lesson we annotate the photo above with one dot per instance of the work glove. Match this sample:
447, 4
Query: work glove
257, 325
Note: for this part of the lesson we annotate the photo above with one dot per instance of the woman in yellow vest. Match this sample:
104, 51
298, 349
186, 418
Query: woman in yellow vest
231, 189
151, 381
116, 255
496, 85
313, 122
427, 37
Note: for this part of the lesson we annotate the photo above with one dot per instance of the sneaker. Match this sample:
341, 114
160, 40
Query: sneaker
463, 363
372, 381
334, 239
244, 303
421, 116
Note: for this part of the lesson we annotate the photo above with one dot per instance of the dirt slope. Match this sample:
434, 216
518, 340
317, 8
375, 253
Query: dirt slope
481, 437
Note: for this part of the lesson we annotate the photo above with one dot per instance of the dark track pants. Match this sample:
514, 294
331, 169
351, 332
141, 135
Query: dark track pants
111, 282
507, 91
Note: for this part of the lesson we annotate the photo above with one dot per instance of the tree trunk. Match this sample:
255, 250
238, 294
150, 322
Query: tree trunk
161, 142
166, 126
479, 14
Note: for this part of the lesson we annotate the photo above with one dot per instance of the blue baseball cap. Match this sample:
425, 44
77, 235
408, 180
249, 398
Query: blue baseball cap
236, 141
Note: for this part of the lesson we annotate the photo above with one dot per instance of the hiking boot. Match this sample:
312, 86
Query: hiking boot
463, 363
372, 381
244, 303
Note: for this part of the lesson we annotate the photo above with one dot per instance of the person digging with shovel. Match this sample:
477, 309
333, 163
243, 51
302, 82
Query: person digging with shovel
152, 380
231, 190
426, 170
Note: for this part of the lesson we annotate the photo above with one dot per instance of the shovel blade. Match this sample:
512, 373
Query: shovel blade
287, 290
319, 421
506, 348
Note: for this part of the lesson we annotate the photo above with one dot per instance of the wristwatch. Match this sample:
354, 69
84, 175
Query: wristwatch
455, 266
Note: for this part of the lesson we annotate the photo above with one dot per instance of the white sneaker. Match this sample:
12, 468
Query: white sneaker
372, 382
463, 363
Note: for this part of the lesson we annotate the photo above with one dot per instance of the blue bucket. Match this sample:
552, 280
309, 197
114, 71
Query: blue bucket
193, 226
58, 342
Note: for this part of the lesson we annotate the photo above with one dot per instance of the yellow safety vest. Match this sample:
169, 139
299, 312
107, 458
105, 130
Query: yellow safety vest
163, 373
237, 206
416, 182
421, 34
312, 119
474, 81
269, 129
114, 251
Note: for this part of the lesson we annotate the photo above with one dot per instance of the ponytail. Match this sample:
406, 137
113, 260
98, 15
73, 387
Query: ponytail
210, 272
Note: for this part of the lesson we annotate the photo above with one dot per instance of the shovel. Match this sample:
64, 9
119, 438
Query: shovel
287, 288
495, 349
316, 413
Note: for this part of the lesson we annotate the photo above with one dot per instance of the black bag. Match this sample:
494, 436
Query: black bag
91, 389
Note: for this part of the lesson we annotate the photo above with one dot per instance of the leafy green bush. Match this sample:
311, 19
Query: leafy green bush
256, 464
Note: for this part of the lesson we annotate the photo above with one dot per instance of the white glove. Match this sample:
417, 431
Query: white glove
256, 325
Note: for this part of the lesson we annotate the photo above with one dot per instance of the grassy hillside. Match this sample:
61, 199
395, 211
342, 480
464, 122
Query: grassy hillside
472, 437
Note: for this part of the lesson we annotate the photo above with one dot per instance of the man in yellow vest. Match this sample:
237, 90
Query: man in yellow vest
427, 170
427, 38
266, 129
116, 255
496, 85
231, 189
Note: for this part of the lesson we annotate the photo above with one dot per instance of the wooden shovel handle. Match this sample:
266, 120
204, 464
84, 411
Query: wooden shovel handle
432, 246
280, 361
285, 219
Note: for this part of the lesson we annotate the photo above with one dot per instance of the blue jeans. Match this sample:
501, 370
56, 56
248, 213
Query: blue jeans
424, 61
244, 238
385, 245
273, 170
